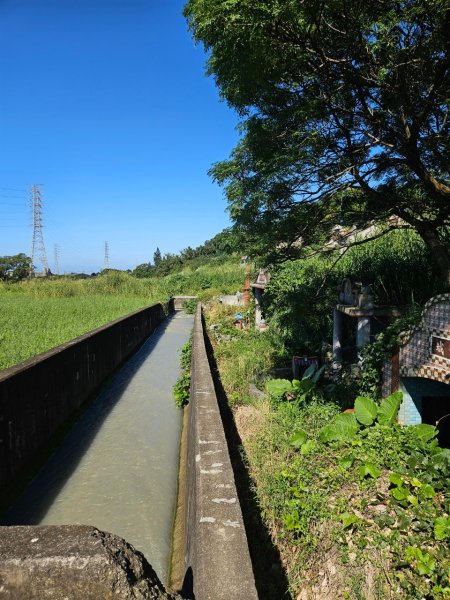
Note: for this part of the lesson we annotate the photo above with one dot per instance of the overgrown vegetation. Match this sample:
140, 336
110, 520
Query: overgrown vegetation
38, 314
344, 110
374, 355
220, 248
367, 515
181, 389
190, 306
244, 356
357, 505
300, 297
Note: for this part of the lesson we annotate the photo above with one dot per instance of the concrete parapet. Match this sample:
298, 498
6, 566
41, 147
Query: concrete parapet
75, 562
216, 551
38, 396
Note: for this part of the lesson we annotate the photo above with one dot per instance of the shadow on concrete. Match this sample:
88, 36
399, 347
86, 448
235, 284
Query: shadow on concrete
187, 589
270, 578
56, 464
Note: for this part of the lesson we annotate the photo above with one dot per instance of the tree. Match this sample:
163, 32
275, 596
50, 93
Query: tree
143, 270
15, 268
344, 108
157, 257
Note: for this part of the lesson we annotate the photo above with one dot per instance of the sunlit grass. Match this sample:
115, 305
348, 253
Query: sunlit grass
29, 326
38, 314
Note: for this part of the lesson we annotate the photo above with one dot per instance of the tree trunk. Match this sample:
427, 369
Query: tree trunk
439, 251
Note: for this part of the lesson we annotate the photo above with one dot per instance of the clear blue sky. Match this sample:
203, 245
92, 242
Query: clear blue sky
105, 103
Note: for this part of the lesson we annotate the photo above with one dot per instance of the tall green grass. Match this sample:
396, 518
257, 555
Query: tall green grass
29, 326
38, 314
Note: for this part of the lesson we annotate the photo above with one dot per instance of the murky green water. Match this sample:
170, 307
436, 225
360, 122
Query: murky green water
117, 468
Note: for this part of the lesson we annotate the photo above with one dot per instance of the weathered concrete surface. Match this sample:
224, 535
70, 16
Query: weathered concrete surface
73, 562
216, 553
38, 396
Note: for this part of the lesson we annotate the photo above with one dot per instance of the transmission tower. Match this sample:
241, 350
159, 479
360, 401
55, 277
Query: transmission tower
37, 243
56, 258
106, 259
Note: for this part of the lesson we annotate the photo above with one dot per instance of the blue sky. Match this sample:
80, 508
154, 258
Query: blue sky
105, 103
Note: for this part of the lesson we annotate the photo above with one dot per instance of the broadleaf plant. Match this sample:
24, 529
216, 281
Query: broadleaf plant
365, 410
388, 409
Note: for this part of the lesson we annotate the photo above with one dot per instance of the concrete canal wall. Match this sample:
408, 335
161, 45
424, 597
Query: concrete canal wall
38, 396
216, 556
82, 562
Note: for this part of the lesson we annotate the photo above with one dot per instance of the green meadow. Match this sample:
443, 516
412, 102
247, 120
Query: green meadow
36, 315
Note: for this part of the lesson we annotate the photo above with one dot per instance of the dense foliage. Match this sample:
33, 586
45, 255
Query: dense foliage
243, 355
367, 514
357, 505
301, 294
181, 389
345, 113
223, 245
15, 268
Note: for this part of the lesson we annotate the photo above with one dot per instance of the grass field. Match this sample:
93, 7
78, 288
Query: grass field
36, 315
29, 326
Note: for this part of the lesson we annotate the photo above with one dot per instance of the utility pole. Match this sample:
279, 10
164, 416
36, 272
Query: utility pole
37, 243
56, 259
106, 259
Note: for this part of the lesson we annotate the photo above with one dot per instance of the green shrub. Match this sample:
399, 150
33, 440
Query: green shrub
181, 389
301, 294
382, 491
190, 306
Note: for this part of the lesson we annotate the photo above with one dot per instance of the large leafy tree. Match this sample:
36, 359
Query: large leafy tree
15, 268
344, 107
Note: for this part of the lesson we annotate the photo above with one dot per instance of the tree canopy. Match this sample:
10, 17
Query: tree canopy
344, 108
157, 257
224, 243
15, 268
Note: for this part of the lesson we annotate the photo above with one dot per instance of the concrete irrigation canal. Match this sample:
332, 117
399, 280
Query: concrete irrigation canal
112, 479
117, 468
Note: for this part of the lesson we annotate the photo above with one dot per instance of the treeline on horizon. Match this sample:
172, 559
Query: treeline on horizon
222, 245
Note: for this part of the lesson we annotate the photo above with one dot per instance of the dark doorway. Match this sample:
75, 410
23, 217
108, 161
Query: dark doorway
436, 411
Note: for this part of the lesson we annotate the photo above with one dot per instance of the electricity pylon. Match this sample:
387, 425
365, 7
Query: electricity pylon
37, 243
56, 259
106, 259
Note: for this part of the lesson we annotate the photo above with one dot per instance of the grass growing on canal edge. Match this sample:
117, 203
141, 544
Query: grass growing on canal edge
363, 518
38, 314
181, 389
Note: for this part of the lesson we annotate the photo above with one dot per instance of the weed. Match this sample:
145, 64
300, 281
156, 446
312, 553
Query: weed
181, 389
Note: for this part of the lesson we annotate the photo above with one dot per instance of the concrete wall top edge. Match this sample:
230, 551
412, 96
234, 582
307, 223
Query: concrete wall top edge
218, 551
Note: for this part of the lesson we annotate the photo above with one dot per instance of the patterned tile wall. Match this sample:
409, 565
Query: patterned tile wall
416, 359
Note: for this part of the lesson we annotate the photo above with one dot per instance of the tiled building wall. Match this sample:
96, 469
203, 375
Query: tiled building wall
418, 371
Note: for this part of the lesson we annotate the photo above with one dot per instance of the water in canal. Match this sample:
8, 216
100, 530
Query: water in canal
117, 468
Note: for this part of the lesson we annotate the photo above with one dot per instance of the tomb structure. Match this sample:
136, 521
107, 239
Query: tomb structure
420, 368
356, 321
258, 290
